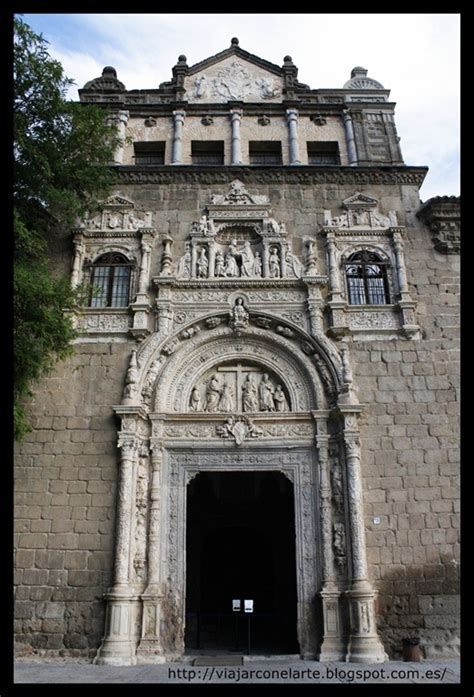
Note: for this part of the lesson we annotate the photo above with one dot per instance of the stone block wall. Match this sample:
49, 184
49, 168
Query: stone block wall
66, 469
65, 482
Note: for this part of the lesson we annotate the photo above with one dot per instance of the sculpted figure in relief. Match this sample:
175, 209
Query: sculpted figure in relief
266, 392
231, 267
226, 402
220, 264
248, 259
239, 317
202, 264
195, 402
213, 394
184, 264
249, 394
280, 400
257, 265
274, 264
200, 86
294, 264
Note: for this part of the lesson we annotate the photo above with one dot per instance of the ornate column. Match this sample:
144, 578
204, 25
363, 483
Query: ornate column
178, 121
350, 138
265, 257
364, 643
194, 253
283, 250
212, 258
79, 251
397, 243
314, 305
236, 118
332, 647
405, 304
119, 644
120, 120
144, 268
334, 282
292, 120
150, 644
141, 307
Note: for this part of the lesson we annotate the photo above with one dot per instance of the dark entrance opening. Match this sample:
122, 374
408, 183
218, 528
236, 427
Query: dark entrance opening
241, 545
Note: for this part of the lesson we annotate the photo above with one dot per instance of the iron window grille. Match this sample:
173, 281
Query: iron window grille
367, 279
210, 152
110, 281
265, 152
323, 153
149, 153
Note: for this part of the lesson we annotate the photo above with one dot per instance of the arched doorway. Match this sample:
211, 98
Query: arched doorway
240, 544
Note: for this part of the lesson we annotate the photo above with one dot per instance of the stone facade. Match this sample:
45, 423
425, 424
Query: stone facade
240, 350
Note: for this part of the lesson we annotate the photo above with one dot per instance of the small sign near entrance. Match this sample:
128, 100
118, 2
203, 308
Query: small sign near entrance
236, 606
248, 605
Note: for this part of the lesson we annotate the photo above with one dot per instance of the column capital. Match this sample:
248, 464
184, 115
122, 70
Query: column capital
291, 114
179, 115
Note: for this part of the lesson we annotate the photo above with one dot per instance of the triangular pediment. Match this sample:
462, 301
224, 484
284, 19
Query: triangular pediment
234, 75
118, 202
359, 199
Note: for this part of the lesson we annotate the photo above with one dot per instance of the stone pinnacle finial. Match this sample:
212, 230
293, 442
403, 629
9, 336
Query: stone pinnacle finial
287, 59
358, 72
109, 70
182, 58
234, 41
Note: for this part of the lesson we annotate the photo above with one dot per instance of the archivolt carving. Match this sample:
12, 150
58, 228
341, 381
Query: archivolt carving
299, 379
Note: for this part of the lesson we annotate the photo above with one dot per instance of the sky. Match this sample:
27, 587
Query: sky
416, 56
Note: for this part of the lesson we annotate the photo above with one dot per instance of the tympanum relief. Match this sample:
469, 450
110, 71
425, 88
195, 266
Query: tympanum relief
238, 388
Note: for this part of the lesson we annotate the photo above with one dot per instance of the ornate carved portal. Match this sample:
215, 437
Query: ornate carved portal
239, 386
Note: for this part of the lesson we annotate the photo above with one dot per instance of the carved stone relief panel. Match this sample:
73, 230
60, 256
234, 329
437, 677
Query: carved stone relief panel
297, 386
233, 79
237, 387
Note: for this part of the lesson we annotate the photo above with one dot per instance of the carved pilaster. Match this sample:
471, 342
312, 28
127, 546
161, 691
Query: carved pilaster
332, 646
150, 643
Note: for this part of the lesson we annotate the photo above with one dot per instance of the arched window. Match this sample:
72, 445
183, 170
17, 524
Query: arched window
110, 281
366, 275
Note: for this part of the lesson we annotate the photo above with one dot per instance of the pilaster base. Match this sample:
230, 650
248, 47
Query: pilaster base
364, 644
332, 646
120, 642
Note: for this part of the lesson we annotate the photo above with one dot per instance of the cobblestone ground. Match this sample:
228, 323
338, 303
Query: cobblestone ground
254, 670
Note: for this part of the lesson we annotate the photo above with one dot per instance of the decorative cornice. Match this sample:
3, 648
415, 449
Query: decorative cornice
255, 284
278, 174
442, 214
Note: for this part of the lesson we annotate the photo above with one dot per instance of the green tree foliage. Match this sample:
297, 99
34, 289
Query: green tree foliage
62, 154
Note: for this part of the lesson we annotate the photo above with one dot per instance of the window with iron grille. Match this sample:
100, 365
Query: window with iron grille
150, 153
366, 277
323, 153
265, 152
110, 281
207, 152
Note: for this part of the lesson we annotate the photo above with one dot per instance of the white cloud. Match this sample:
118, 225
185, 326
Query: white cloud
415, 55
